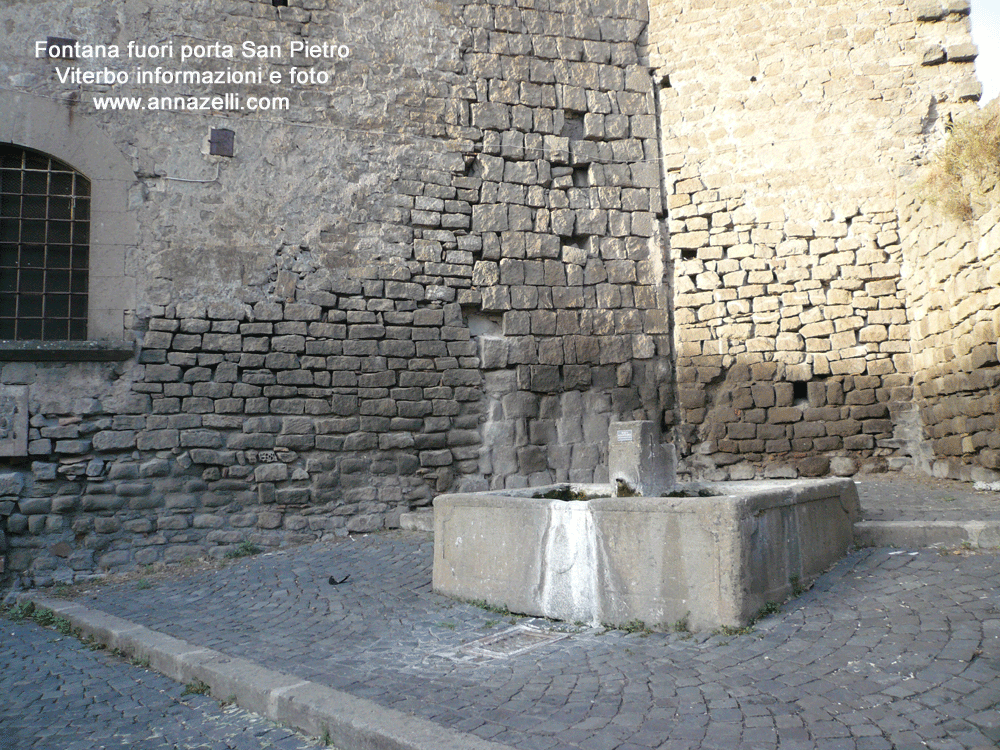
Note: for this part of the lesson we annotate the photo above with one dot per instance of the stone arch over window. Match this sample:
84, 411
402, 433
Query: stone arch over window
59, 131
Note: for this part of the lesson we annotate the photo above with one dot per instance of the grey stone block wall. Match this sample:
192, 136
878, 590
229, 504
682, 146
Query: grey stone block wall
569, 280
445, 271
452, 267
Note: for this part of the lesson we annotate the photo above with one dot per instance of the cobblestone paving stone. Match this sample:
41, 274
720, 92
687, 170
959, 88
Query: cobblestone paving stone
892, 649
57, 694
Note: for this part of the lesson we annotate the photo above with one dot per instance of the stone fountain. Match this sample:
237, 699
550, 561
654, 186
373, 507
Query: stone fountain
642, 548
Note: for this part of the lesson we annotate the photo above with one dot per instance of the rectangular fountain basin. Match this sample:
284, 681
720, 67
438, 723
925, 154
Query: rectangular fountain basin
710, 561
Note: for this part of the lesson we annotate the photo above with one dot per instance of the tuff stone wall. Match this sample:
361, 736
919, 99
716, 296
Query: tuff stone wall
786, 129
571, 282
953, 291
445, 270
452, 267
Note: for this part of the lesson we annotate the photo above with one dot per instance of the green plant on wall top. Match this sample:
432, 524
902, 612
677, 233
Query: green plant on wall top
963, 178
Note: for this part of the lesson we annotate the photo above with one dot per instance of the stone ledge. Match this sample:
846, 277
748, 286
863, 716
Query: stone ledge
65, 351
922, 534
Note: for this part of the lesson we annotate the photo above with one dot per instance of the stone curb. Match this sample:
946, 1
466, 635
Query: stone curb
917, 534
350, 723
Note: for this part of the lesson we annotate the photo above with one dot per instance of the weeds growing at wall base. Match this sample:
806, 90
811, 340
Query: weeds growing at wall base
243, 549
196, 688
26, 610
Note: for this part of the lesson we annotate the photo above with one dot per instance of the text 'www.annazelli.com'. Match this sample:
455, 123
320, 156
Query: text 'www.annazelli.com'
217, 103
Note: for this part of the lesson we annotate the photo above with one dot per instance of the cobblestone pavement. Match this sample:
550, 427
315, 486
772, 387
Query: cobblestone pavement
892, 649
56, 694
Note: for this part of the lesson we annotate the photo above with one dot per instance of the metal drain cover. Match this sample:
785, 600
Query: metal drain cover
511, 642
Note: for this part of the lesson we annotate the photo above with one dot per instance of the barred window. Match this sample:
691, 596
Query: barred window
44, 247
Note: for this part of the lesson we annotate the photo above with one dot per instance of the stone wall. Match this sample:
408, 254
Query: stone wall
456, 263
786, 128
571, 279
445, 270
952, 282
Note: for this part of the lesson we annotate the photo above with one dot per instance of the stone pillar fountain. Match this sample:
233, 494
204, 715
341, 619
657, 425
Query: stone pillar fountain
638, 463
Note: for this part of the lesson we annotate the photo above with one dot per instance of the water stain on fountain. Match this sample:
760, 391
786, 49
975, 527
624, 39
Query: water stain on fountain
570, 571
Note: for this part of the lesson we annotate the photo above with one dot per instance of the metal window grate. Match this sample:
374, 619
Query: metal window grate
44, 247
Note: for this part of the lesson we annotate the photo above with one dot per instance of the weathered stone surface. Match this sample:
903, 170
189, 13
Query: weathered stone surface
806, 284
814, 466
11, 483
530, 534
491, 287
